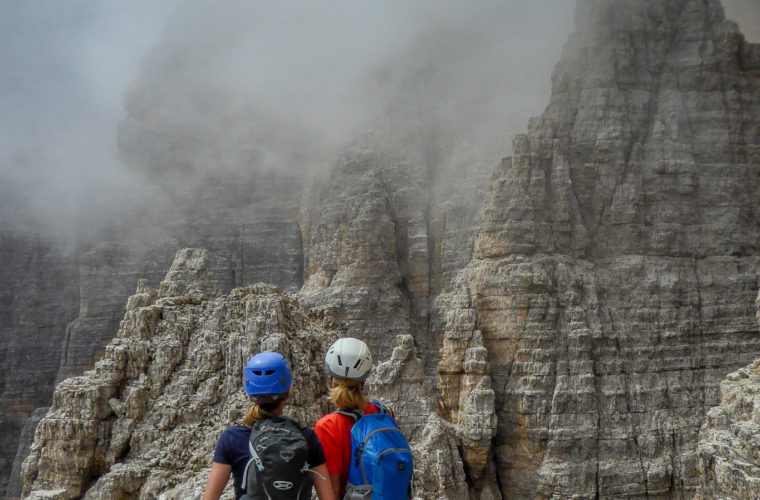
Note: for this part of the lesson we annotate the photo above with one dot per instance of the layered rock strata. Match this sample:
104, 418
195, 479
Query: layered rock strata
729, 461
465, 388
616, 266
144, 422
614, 271
383, 240
146, 419
65, 300
38, 298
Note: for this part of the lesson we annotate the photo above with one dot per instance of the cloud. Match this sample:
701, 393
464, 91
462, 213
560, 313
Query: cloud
66, 66
746, 13
298, 74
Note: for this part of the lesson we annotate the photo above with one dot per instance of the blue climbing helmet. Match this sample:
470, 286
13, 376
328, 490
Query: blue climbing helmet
267, 374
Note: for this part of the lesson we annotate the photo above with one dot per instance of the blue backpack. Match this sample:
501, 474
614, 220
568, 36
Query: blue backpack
381, 458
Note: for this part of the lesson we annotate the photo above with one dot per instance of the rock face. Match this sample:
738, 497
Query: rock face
729, 464
564, 338
380, 248
38, 299
145, 421
616, 265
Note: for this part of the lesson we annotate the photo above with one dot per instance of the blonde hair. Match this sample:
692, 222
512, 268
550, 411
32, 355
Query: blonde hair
253, 415
346, 394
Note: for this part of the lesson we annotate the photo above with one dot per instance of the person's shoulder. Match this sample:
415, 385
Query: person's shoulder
233, 438
376, 406
308, 432
371, 408
328, 419
235, 432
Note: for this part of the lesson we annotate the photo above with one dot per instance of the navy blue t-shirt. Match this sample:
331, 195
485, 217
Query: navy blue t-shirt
232, 449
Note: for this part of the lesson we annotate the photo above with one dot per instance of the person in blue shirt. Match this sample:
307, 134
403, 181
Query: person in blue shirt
267, 383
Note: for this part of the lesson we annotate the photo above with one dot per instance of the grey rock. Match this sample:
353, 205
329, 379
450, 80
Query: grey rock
729, 461
38, 298
144, 422
146, 419
569, 335
13, 491
616, 266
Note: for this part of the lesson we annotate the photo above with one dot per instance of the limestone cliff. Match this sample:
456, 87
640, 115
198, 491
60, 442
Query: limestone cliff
38, 298
617, 261
729, 464
146, 419
384, 240
144, 422
565, 334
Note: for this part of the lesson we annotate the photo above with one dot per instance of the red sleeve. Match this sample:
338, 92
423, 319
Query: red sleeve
329, 435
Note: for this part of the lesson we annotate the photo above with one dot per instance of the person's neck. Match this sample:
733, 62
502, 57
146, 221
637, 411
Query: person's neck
277, 412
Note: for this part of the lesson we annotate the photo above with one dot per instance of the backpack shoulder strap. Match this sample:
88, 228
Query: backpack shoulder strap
296, 422
380, 406
352, 413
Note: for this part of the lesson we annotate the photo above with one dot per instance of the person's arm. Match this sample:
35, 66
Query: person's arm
335, 480
217, 480
323, 484
331, 444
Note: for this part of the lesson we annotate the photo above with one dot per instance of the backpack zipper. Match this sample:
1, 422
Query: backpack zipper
391, 450
360, 451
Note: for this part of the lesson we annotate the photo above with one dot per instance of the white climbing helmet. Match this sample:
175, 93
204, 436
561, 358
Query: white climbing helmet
348, 358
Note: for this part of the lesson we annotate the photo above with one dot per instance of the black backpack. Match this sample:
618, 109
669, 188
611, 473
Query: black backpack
278, 469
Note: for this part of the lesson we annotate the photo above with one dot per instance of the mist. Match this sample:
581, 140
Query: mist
283, 86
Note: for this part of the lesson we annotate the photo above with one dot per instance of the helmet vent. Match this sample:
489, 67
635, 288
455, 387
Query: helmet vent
340, 361
358, 362
259, 373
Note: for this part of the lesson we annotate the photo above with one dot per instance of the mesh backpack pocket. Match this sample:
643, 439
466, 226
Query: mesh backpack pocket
278, 468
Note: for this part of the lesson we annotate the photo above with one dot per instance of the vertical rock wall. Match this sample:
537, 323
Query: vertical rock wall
609, 289
616, 266
729, 463
146, 419
38, 298
144, 422
385, 238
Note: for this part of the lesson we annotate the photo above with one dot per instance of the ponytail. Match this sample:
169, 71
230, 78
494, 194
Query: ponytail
263, 410
346, 394
253, 415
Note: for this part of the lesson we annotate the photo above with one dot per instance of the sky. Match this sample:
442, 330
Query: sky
65, 68
746, 13
68, 68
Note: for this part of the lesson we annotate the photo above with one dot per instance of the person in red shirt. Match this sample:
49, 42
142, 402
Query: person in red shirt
347, 363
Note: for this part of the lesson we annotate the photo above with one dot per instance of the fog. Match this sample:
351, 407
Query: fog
746, 13
65, 67
295, 81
